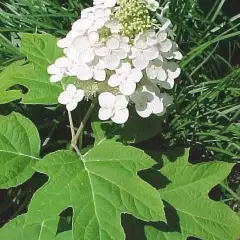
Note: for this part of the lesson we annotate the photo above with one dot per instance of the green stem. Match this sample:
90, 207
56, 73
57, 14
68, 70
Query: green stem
82, 126
71, 124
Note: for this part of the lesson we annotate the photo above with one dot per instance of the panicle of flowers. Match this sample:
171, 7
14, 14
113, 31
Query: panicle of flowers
119, 53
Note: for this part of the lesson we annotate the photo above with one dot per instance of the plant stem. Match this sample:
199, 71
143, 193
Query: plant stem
71, 124
82, 126
230, 191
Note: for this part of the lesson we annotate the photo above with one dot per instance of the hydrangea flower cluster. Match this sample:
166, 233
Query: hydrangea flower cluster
118, 53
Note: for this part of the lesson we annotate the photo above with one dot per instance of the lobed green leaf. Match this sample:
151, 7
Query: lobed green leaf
99, 187
19, 148
186, 190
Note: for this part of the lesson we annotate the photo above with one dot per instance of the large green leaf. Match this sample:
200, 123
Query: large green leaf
19, 148
67, 235
154, 234
136, 129
15, 230
41, 50
186, 190
99, 187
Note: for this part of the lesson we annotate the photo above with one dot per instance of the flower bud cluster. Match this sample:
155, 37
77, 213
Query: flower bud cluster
134, 17
113, 52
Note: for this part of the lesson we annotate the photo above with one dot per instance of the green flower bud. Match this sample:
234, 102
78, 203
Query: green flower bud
134, 17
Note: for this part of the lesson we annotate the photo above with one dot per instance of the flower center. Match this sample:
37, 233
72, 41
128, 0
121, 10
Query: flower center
134, 17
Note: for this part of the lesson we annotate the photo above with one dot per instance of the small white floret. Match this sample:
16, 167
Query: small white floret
71, 97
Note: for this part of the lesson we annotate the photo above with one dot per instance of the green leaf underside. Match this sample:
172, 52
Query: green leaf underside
99, 187
136, 129
15, 230
41, 50
188, 191
19, 149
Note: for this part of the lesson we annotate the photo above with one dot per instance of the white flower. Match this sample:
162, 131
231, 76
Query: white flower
155, 70
71, 97
152, 5
114, 26
114, 107
167, 100
126, 78
165, 44
94, 70
173, 53
88, 47
67, 41
148, 101
58, 69
92, 19
173, 71
166, 23
106, 3
118, 49
142, 52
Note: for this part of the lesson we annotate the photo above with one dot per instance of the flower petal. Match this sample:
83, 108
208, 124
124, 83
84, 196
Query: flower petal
105, 113
134, 52
140, 62
79, 95
88, 55
56, 78
106, 100
72, 105
121, 53
99, 13
136, 75
84, 73
161, 36
71, 89
125, 46
121, 102
114, 80
127, 88
64, 98
112, 43
173, 70
166, 45
111, 62
81, 43
161, 74
114, 26
101, 50
177, 55
99, 23
125, 69
120, 116
99, 75
151, 72
82, 24
167, 99
53, 69
151, 52
143, 110
168, 84
110, 3
63, 43
93, 37
157, 105
62, 62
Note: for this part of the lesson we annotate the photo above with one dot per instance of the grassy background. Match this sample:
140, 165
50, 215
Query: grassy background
205, 114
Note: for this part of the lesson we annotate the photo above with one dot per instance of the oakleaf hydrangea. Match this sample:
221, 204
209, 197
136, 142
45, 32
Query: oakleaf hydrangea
120, 54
